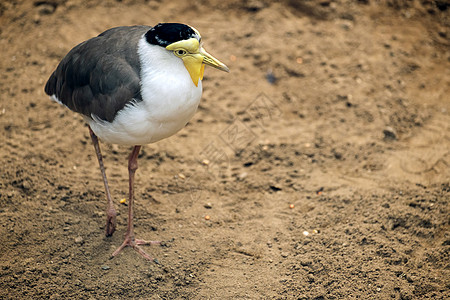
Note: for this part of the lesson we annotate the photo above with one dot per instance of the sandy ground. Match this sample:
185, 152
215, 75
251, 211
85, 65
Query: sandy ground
339, 108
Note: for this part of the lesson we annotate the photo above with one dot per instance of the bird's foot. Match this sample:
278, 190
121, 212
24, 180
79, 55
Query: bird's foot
111, 215
134, 243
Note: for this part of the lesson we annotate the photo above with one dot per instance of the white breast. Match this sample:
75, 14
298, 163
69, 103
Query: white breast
170, 99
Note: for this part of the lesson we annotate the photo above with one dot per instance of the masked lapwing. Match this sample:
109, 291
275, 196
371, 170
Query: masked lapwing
133, 86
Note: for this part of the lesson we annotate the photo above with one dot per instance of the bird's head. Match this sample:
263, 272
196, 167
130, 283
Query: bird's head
186, 43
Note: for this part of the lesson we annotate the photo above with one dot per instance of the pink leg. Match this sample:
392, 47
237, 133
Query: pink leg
129, 235
110, 210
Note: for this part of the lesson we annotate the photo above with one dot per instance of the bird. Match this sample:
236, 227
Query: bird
133, 85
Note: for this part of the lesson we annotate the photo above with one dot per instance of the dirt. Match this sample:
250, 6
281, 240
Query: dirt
319, 168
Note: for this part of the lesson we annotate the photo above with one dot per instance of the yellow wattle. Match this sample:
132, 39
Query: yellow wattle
194, 65
202, 71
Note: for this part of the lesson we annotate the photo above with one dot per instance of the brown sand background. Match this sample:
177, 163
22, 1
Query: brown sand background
340, 108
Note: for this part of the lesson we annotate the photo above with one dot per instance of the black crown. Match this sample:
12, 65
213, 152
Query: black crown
165, 34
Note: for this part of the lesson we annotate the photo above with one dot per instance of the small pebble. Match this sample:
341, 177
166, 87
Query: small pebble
389, 133
242, 175
46, 9
208, 205
79, 240
305, 233
207, 217
106, 267
270, 77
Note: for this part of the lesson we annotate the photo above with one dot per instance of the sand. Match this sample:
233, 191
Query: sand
319, 168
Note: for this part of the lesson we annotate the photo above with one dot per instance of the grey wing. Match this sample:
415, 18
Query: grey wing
100, 76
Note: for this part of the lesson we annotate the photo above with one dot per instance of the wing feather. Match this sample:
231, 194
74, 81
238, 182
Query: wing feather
101, 75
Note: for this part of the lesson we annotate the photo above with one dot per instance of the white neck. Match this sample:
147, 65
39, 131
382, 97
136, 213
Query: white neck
161, 69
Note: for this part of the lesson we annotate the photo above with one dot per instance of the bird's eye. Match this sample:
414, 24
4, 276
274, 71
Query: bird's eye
180, 52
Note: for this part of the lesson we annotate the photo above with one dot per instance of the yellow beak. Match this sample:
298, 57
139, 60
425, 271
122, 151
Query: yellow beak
196, 58
210, 60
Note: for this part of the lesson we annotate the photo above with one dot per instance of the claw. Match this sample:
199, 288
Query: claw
134, 243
